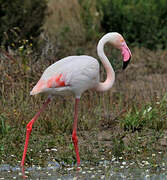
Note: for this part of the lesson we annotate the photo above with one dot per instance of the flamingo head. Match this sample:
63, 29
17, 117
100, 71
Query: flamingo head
118, 42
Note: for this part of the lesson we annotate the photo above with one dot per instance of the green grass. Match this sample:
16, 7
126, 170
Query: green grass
152, 115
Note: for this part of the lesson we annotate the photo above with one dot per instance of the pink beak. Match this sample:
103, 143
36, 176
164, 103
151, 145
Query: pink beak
126, 54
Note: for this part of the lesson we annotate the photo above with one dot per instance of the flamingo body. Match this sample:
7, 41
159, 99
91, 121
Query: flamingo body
73, 74
76, 74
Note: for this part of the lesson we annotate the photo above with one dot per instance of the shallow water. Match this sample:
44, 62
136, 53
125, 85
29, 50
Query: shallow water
116, 169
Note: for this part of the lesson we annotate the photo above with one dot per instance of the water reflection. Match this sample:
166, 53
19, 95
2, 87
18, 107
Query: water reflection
116, 169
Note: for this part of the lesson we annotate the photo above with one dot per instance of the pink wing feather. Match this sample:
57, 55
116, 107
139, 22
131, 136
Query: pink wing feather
53, 82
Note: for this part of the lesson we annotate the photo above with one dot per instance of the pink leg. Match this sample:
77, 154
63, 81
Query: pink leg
74, 133
29, 128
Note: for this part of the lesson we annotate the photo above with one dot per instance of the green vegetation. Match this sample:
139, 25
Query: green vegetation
20, 20
27, 19
143, 23
129, 120
136, 118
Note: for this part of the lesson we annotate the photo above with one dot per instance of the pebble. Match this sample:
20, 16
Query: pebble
54, 149
69, 169
113, 159
124, 163
39, 168
146, 163
147, 176
102, 177
93, 176
116, 162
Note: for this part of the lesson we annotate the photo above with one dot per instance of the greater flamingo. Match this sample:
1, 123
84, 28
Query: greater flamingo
76, 74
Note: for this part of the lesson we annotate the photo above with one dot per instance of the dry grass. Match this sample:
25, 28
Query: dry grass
68, 28
62, 17
142, 82
145, 77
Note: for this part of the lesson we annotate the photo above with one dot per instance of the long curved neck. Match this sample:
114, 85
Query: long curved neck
108, 83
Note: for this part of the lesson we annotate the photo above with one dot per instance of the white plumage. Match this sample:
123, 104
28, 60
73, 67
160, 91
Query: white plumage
78, 73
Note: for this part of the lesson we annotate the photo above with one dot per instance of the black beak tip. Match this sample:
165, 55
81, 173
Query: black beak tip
125, 64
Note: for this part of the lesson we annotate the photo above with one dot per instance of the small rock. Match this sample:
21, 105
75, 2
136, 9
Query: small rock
54, 149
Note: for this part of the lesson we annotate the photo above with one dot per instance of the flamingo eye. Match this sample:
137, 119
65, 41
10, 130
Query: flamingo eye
122, 40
